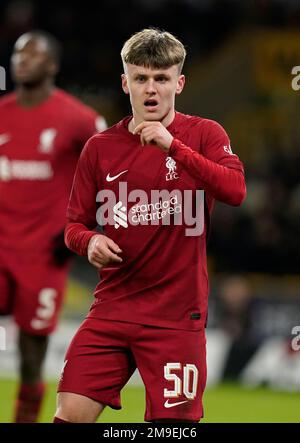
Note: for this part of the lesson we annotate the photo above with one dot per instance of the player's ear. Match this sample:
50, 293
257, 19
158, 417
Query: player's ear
180, 84
125, 83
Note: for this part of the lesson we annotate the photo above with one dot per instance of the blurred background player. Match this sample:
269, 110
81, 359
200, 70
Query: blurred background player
235, 317
42, 132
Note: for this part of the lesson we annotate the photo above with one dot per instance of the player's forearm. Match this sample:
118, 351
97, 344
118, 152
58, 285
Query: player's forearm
77, 237
223, 183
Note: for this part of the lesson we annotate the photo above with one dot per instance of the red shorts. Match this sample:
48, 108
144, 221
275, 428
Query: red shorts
104, 354
31, 289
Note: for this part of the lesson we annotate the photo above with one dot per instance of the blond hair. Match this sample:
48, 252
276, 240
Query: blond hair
153, 48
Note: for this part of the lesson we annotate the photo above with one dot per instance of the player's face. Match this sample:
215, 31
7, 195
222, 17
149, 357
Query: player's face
152, 91
31, 62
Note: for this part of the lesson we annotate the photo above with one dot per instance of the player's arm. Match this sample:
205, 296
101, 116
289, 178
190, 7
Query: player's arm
100, 249
80, 234
218, 171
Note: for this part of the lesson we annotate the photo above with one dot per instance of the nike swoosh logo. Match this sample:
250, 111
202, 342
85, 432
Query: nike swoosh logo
171, 405
111, 179
4, 138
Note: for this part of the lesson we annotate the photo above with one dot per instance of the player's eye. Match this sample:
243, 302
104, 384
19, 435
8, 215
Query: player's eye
141, 78
161, 79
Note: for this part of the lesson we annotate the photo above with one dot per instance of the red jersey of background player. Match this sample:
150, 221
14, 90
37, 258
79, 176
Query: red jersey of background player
39, 149
153, 285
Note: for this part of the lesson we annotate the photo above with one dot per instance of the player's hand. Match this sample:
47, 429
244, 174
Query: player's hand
154, 133
103, 251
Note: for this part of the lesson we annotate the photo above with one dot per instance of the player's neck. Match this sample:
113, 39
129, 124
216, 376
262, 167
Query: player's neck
35, 95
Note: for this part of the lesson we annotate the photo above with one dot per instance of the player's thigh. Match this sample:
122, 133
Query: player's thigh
98, 362
39, 294
172, 364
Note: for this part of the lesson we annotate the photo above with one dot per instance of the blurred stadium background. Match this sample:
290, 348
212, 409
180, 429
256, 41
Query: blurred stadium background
240, 58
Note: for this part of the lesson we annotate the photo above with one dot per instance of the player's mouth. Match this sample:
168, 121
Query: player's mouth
151, 104
21, 71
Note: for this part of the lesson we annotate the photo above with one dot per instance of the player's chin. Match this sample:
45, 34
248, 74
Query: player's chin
27, 79
152, 116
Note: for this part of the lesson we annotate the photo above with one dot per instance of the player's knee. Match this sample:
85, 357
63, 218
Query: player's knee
76, 408
68, 414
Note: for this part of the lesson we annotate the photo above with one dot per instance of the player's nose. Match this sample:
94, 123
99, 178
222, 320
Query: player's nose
150, 87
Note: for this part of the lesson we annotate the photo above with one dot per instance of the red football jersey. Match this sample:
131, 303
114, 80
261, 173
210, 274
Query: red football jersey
39, 150
162, 280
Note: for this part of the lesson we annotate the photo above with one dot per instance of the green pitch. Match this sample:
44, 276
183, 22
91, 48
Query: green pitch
227, 403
